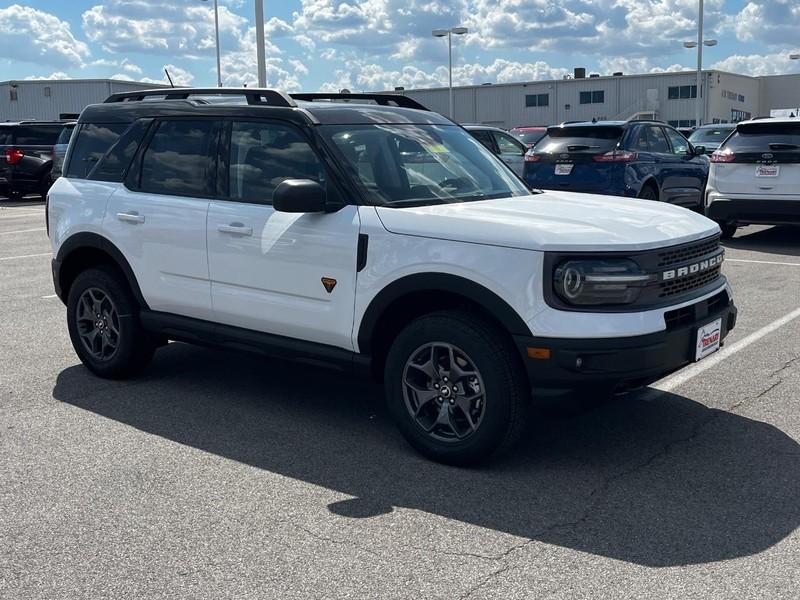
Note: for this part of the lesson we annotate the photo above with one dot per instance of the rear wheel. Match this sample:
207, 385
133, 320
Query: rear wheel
728, 229
103, 322
456, 388
649, 192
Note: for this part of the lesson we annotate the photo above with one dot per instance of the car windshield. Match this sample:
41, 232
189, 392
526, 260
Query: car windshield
711, 134
413, 165
528, 137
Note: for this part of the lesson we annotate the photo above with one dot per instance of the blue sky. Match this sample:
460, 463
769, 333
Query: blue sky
379, 44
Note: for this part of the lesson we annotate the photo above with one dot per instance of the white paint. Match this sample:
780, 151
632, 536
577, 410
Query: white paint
25, 256
763, 262
17, 215
50, 296
22, 231
670, 383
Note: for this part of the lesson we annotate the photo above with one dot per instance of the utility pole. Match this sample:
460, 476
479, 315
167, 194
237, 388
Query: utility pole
260, 44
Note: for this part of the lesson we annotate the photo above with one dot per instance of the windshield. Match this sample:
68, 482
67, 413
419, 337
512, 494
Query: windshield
408, 165
528, 138
712, 134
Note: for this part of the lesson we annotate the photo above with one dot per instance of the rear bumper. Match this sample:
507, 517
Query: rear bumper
628, 362
757, 211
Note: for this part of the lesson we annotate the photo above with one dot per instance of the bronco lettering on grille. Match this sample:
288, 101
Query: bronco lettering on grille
692, 269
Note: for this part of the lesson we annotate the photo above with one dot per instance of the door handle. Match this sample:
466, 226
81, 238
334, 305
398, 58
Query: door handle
131, 217
235, 229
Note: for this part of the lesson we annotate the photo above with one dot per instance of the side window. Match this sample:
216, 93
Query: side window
37, 135
91, 143
658, 143
679, 143
263, 155
484, 138
114, 164
508, 145
5, 136
640, 143
180, 160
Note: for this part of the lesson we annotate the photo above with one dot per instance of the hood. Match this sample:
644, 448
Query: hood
554, 221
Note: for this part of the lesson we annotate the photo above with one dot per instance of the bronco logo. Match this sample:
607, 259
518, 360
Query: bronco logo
698, 267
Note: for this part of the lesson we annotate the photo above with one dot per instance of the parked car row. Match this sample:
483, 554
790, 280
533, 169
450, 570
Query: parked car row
31, 153
737, 174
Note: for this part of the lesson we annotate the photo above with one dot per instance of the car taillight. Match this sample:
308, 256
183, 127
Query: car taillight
531, 157
14, 155
725, 156
616, 156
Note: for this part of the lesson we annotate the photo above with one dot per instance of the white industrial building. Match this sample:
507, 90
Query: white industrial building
57, 98
669, 97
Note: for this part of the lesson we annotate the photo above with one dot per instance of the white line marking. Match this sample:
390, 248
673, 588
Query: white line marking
18, 215
26, 256
670, 383
762, 262
22, 231
50, 296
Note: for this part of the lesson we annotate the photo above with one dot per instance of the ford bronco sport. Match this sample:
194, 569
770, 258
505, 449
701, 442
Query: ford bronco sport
368, 234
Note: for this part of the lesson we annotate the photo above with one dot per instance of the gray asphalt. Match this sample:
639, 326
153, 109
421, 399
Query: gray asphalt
223, 476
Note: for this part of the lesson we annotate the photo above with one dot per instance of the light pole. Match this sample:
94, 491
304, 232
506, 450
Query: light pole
216, 32
699, 45
260, 42
449, 33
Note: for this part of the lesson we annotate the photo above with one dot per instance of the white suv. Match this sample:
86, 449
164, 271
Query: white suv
755, 176
376, 237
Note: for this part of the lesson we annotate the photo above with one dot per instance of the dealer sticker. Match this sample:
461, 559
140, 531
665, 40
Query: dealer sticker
708, 339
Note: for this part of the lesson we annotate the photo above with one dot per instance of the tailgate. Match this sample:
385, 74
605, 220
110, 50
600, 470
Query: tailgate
754, 178
578, 176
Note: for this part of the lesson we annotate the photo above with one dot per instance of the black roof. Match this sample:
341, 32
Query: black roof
303, 109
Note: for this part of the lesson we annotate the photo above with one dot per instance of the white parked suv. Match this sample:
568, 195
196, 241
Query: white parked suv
754, 177
368, 234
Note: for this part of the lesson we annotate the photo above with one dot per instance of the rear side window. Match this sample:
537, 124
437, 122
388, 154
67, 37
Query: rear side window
507, 144
180, 160
578, 139
483, 137
5, 136
36, 135
114, 164
656, 140
765, 137
66, 133
92, 142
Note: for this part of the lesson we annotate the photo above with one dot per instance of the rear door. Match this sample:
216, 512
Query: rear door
760, 159
687, 172
565, 159
158, 218
510, 150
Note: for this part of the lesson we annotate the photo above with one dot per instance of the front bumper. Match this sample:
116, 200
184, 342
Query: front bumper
628, 362
755, 211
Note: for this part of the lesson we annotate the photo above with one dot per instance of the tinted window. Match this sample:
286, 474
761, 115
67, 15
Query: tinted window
586, 97
680, 144
114, 164
656, 140
91, 143
179, 160
710, 134
263, 155
36, 135
484, 138
508, 145
5, 136
577, 139
765, 137
66, 133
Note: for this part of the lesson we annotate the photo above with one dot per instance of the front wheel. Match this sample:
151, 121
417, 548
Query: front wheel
456, 388
103, 322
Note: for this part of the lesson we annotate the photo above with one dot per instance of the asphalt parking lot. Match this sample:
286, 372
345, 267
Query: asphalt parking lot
224, 476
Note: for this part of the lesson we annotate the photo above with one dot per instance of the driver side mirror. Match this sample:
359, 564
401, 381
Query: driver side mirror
700, 150
299, 196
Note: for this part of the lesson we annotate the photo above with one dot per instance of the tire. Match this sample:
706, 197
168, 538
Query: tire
649, 192
728, 229
121, 347
489, 385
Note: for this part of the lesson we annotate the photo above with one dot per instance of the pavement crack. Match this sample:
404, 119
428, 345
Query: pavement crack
339, 542
485, 581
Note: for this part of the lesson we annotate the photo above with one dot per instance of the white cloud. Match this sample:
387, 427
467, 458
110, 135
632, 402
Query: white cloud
131, 68
774, 22
180, 76
31, 35
55, 75
759, 64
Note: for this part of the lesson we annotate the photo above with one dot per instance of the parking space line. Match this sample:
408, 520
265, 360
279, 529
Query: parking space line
22, 231
25, 256
763, 262
17, 215
670, 383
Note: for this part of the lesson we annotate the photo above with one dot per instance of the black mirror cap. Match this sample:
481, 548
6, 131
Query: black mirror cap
299, 196
700, 150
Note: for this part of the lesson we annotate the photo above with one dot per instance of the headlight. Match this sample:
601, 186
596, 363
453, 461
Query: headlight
597, 282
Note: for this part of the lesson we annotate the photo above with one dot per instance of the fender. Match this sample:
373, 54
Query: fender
434, 282
85, 239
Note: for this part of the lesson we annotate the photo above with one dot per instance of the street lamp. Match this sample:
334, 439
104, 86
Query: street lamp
216, 31
449, 33
699, 45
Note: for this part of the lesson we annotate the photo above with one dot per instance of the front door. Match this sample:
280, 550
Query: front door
286, 274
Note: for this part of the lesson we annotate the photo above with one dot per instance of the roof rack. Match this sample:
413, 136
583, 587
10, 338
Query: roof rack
253, 95
380, 99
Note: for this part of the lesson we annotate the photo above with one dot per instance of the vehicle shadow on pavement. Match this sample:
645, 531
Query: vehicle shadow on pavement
659, 483
772, 240
27, 201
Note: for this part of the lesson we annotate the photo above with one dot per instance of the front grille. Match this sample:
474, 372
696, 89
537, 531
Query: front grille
674, 256
689, 283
